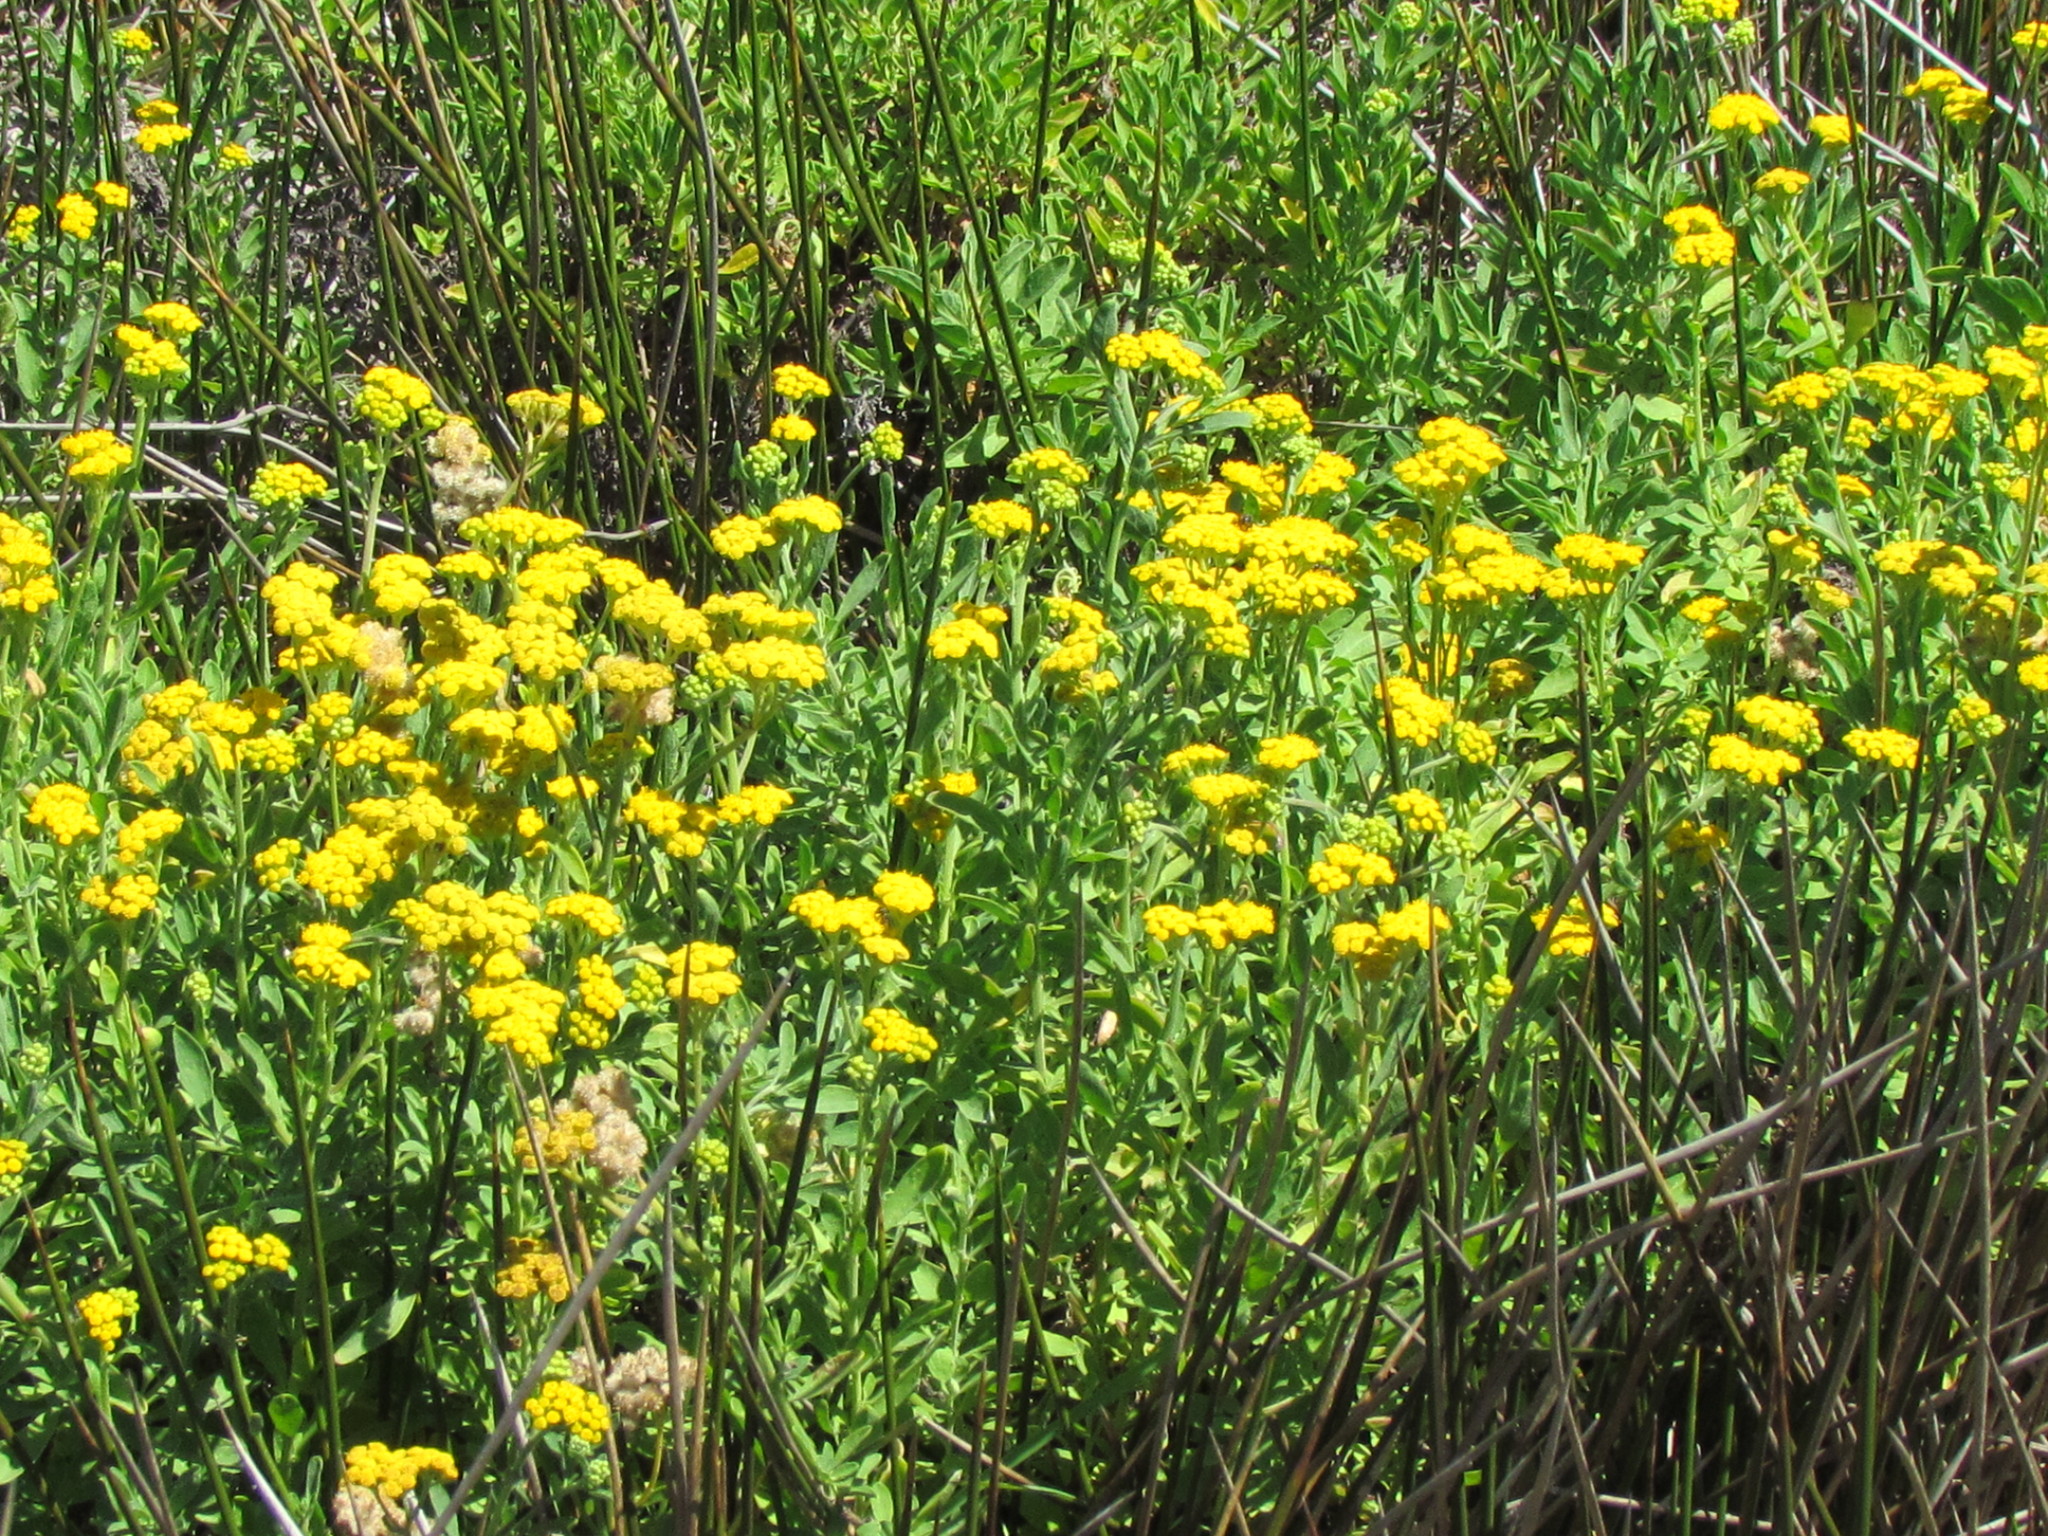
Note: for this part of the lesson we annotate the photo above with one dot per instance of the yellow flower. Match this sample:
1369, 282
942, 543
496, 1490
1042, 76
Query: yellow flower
792, 429
903, 893
891, 1033
1414, 715
104, 1313
1574, 935
1764, 766
143, 832
1741, 112
65, 812
1832, 129
1284, 754
2032, 38
1000, 518
287, 484
1786, 721
1455, 455
1695, 839
153, 138
77, 215
1933, 82
134, 40
1420, 812
1702, 240
395, 1473
1966, 104
701, 974
1346, 864
1220, 923
1144, 349
564, 1404
795, 382
173, 319
125, 900
1781, 181
21, 224
1376, 948
971, 629
318, 959
1894, 749
112, 193
391, 397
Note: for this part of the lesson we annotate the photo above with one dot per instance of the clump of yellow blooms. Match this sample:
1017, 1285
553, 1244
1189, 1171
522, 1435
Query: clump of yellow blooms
1695, 839
1782, 181
1893, 749
284, 484
796, 383
1071, 664
106, 1312
1574, 935
701, 973
159, 128
1135, 350
395, 1472
26, 560
891, 1033
1421, 813
1346, 864
1832, 129
534, 1269
231, 1253
1762, 766
875, 922
1001, 518
1701, 239
318, 959
1948, 570
392, 399
1589, 565
563, 1404
1785, 721
971, 631
1219, 923
65, 812
1413, 714
1455, 456
125, 899
1740, 112
1377, 948
96, 456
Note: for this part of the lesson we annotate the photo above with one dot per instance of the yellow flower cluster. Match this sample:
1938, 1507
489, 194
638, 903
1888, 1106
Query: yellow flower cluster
1834, 130
149, 359
1894, 749
1455, 456
26, 561
535, 1269
1346, 864
701, 974
1133, 350
1959, 103
144, 831
318, 959
1701, 239
126, 899
1948, 570
1220, 923
391, 398
1921, 399
1001, 518
876, 921
65, 812
565, 1405
158, 126
1695, 839
738, 537
1739, 112
891, 1033
395, 1472
1376, 948
796, 383
971, 630
1785, 721
1413, 713
556, 1138
1588, 566
1421, 812
1479, 568
231, 1253
550, 414
284, 484
1574, 935
104, 1313
1072, 661
96, 456
1762, 766
1782, 181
